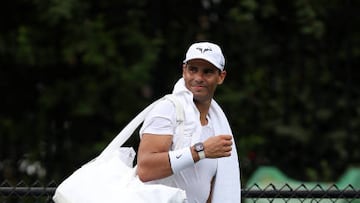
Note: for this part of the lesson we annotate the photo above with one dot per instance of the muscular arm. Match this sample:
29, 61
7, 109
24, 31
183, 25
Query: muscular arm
153, 159
153, 154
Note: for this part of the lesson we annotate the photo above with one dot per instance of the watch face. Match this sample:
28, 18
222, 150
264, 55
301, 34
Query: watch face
199, 147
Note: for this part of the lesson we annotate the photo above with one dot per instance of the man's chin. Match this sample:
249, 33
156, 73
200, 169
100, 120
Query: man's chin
200, 98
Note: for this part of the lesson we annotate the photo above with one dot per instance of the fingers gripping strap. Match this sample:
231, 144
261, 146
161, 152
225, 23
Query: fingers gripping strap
180, 159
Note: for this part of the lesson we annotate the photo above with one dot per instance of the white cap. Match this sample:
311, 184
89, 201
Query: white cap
207, 51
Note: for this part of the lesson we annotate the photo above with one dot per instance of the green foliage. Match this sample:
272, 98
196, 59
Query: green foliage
74, 72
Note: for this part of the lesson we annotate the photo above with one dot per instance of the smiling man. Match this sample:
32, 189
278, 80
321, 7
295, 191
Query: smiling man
202, 158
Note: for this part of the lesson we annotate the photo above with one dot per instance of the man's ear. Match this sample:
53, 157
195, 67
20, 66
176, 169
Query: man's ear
221, 77
183, 68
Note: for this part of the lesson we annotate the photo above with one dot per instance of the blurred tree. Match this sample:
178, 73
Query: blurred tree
74, 72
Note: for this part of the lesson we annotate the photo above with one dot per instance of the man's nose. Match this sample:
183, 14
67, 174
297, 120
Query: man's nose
199, 76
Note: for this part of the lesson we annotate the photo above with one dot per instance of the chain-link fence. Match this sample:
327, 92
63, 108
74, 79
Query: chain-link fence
42, 193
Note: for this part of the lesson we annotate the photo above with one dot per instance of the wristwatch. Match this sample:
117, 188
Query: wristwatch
199, 148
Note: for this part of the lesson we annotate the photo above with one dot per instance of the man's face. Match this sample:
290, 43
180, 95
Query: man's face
202, 78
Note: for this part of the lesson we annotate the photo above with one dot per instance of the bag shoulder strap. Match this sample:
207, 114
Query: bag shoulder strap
129, 129
180, 115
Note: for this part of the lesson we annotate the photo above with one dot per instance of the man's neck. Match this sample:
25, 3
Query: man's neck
203, 108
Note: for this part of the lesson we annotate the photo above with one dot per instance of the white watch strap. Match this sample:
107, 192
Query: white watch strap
201, 155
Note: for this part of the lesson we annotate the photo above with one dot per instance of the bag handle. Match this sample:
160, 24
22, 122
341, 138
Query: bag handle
129, 129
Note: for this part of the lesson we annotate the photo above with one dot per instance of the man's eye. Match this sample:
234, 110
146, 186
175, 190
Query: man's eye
192, 69
209, 71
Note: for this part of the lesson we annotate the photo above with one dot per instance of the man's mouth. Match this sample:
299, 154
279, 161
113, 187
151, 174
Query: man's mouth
198, 87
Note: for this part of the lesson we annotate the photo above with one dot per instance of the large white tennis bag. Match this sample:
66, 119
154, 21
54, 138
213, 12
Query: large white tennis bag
111, 178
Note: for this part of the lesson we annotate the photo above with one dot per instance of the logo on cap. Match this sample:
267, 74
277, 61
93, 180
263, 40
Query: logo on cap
203, 50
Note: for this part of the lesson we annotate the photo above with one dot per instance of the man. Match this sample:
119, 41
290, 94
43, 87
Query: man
202, 158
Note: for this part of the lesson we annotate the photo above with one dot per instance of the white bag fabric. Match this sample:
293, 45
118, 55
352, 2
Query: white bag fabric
111, 178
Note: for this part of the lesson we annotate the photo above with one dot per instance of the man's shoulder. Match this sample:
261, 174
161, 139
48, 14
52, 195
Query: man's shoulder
164, 106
